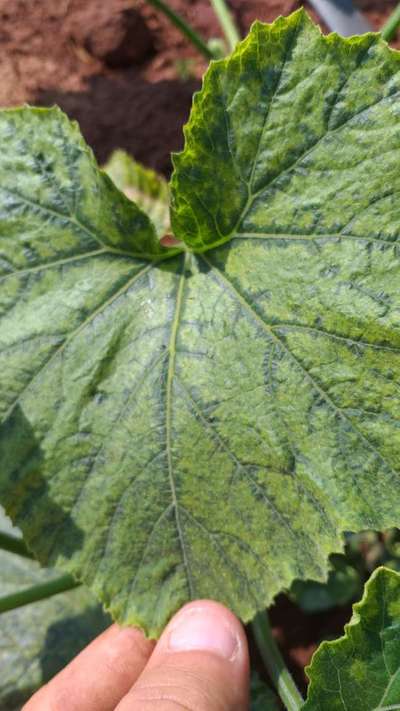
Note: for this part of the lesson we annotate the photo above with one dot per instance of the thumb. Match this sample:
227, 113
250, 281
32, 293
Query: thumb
200, 663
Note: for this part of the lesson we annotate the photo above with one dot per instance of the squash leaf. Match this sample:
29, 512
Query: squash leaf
361, 671
294, 136
38, 640
207, 423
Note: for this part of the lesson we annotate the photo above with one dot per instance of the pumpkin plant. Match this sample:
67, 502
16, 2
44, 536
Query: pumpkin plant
208, 418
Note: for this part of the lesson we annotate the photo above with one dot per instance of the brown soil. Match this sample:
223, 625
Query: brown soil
299, 635
119, 67
128, 77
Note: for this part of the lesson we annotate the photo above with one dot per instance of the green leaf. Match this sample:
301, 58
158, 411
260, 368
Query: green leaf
38, 640
262, 698
361, 671
56, 203
295, 135
142, 185
343, 586
209, 425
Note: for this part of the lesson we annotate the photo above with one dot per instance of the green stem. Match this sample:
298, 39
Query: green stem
183, 26
37, 592
390, 28
280, 675
227, 23
12, 544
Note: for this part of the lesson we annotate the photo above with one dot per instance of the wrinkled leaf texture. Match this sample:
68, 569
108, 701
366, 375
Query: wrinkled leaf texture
361, 671
207, 423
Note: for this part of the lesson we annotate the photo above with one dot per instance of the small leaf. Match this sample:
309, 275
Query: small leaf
361, 671
142, 185
209, 425
38, 640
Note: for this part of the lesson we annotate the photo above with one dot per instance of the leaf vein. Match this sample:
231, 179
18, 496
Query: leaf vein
289, 49
140, 381
240, 466
311, 149
73, 220
161, 517
247, 306
59, 349
168, 423
50, 265
312, 237
336, 336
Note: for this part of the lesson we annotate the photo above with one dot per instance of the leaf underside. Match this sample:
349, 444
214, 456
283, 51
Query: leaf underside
361, 671
142, 185
208, 423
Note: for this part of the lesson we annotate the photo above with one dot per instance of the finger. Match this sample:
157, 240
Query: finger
200, 663
99, 676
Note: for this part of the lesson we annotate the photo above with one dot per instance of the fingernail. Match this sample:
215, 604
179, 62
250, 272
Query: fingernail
200, 629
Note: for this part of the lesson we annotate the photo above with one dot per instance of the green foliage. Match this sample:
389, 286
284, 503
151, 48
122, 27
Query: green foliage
143, 186
343, 586
207, 423
286, 141
38, 640
361, 671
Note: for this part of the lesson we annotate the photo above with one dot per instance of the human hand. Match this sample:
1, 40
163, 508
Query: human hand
200, 663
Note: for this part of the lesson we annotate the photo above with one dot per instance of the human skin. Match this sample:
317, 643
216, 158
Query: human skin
200, 663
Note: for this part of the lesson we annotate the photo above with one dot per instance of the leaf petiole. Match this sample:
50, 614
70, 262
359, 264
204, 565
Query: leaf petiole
273, 660
227, 22
390, 27
184, 27
37, 592
12, 544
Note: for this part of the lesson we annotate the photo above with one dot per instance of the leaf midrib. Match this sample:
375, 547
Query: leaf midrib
168, 421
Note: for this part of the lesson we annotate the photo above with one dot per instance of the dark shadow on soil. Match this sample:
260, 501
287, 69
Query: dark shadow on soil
66, 638
21, 470
22, 462
128, 112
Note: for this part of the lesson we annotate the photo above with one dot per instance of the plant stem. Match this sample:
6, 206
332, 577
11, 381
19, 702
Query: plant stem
227, 23
183, 26
280, 675
390, 28
37, 592
12, 544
